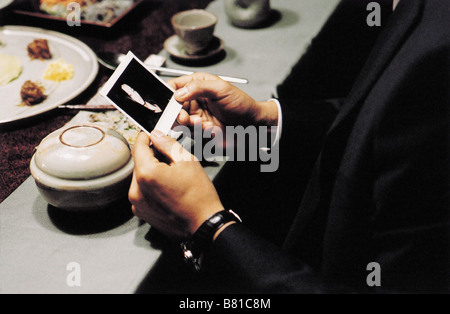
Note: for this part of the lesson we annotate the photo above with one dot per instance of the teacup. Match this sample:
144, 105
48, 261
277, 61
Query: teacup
247, 13
195, 28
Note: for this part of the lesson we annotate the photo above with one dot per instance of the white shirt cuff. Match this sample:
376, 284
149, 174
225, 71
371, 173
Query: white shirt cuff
280, 123
277, 129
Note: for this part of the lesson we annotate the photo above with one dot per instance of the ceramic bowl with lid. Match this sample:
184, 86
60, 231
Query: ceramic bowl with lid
83, 167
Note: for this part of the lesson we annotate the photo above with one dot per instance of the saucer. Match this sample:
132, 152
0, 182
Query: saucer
175, 47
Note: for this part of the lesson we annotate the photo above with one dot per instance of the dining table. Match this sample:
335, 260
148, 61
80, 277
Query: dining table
115, 252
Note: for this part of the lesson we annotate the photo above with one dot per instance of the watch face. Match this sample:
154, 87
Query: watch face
215, 220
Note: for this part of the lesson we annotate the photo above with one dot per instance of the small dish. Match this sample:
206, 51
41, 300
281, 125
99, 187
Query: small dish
32, 8
82, 168
175, 47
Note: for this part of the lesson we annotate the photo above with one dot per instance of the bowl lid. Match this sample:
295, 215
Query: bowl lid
82, 152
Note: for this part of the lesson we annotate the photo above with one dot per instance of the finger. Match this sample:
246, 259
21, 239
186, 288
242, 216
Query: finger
170, 148
143, 155
199, 122
205, 122
143, 205
187, 119
208, 126
134, 194
187, 106
181, 81
137, 198
172, 84
183, 118
211, 89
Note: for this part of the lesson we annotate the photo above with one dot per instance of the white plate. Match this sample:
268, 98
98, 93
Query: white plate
73, 51
5, 3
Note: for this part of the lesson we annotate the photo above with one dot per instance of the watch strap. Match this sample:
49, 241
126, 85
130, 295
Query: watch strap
198, 245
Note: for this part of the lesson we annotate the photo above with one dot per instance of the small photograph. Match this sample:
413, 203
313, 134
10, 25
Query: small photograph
141, 95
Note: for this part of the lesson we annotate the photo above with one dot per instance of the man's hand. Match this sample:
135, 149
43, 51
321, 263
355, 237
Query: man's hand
173, 195
217, 103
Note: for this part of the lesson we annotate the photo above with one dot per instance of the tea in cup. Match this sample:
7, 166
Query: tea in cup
195, 28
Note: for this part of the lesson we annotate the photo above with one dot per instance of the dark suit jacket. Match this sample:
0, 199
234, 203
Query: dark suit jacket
379, 185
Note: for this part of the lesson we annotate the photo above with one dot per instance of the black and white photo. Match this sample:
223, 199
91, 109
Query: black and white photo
142, 96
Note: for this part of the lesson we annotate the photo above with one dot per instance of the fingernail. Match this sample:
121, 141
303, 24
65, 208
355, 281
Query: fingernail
181, 92
157, 133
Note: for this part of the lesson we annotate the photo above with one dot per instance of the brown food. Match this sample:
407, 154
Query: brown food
39, 49
32, 93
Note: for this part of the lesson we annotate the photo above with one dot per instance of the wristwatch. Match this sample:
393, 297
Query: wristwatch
198, 245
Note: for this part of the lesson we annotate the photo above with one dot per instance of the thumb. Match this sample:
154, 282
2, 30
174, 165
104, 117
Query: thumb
170, 148
212, 89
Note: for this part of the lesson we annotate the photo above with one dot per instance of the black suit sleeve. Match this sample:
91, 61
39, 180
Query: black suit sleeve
240, 262
304, 127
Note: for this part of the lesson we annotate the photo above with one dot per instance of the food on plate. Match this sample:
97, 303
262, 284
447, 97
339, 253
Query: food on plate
99, 11
39, 49
59, 71
58, 7
10, 69
32, 93
115, 120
